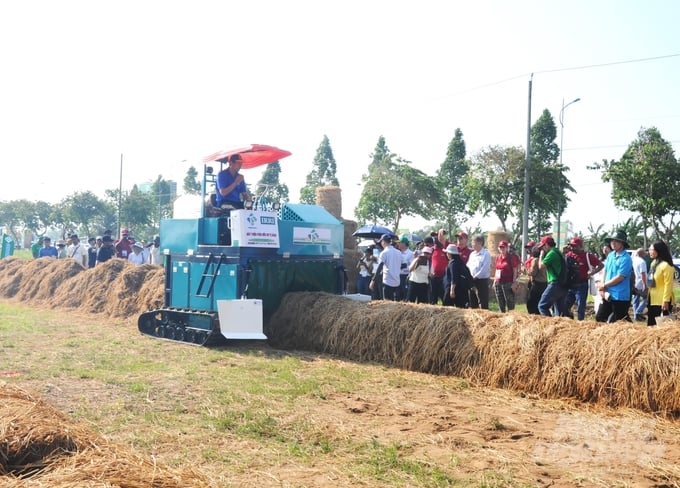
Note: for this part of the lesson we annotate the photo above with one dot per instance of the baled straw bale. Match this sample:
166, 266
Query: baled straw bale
116, 287
350, 242
493, 237
350, 260
41, 447
38, 279
330, 198
618, 365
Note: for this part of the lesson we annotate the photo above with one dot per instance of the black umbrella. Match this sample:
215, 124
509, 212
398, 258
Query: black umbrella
372, 231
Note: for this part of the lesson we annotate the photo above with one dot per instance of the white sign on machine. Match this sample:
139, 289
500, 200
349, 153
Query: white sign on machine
254, 228
241, 319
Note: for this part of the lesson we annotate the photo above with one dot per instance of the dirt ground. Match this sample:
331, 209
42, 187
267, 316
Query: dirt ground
484, 436
492, 437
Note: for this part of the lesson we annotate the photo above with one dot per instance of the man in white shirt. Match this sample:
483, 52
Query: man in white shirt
155, 251
77, 251
389, 264
406, 259
479, 264
639, 301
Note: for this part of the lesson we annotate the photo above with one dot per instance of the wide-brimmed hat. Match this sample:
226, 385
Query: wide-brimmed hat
452, 249
620, 236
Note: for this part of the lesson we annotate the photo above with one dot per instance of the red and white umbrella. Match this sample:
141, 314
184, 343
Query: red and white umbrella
253, 155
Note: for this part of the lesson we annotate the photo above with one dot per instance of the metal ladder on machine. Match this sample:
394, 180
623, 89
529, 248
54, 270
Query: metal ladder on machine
210, 271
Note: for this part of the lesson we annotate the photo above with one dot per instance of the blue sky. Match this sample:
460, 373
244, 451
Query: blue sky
166, 83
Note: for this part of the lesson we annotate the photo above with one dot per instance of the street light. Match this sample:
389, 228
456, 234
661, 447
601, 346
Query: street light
559, 198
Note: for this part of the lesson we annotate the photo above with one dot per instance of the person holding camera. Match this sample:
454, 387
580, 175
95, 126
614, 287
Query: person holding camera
365, 267
419, 277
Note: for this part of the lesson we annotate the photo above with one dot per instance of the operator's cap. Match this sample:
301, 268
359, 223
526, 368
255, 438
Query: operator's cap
529, 245
462, 233
386, 237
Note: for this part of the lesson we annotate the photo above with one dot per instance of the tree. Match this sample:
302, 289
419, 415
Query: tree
136, 209
646, 180
274, 190
83, 212
495, 182
192, 185
323, 172
453, 200
549, 183
394, 189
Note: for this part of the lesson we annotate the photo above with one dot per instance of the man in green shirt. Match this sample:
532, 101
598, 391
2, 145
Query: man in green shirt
35, 248
550, 259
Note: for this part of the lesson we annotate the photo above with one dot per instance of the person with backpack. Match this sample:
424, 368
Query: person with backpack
588, 264
615, 289
555, 293
457, 280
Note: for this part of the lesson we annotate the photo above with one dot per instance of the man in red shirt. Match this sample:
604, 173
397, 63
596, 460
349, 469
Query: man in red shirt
462, 245
439, 263
588, 265
123, 246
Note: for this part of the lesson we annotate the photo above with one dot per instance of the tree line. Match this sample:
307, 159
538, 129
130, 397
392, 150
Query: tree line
645, 181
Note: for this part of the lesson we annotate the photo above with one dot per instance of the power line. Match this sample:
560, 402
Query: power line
556, 70
613, 63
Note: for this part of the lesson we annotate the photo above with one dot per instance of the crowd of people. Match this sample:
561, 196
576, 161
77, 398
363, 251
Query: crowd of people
100, 249
624, 285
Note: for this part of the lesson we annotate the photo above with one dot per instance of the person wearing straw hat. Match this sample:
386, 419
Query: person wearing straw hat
615, 289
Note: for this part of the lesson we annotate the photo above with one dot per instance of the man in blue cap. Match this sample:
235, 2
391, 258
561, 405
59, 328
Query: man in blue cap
389, 265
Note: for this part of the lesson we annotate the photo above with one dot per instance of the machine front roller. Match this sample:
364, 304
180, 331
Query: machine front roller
186, 326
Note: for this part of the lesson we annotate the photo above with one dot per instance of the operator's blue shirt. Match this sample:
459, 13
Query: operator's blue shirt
618, 264
224, 179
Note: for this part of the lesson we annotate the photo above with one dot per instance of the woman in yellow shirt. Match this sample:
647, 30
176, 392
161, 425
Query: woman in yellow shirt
660, 282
